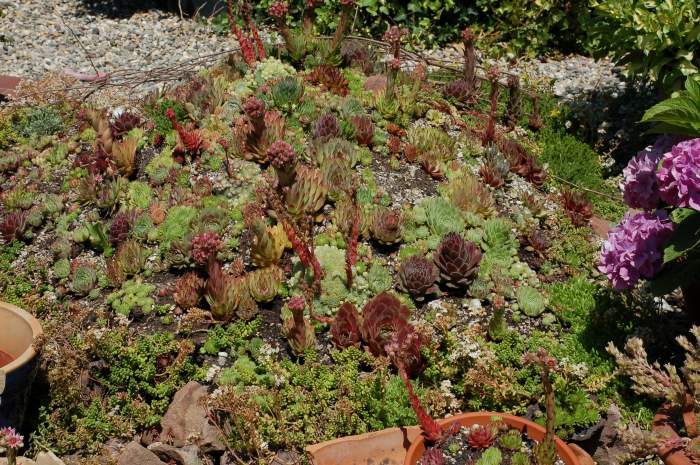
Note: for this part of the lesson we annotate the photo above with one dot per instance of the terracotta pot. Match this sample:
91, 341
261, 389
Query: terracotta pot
664, 424
18, 331
386, 447
570, 455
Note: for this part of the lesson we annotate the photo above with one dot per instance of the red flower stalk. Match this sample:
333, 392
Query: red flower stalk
547, 364
490, 133
429, 427
535, 120
205, 246
468, 37
253, 30
247, 49
191, 140
306, 255
343, 22
351, 252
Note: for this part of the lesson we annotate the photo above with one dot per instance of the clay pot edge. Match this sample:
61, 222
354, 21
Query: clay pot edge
26, 356
664, 424
567, 454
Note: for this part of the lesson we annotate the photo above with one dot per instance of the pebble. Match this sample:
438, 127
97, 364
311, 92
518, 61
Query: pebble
35, 40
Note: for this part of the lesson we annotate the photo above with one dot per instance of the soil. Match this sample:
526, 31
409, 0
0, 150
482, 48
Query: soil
5, 358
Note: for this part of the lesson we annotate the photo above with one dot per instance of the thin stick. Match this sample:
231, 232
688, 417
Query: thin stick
592, 191
75, 36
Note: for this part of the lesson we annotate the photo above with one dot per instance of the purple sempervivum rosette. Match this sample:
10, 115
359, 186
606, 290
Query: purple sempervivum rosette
634, 248
679, 175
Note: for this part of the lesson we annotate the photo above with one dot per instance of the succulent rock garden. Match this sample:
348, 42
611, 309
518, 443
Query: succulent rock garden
319, 238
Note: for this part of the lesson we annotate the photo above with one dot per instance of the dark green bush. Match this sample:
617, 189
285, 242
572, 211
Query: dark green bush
656, 38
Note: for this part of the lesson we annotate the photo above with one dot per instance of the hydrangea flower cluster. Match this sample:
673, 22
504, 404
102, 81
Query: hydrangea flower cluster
639, 189
634, 248
679, 175
669, 172
642, 178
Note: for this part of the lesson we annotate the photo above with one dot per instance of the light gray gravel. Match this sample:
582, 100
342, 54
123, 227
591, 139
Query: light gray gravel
35, 38
570, 77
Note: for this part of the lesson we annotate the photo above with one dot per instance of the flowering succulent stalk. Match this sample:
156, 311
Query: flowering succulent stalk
490, 133
10, 442
279, 10
246, 11
283, 159
299, 331
351, 252
402, 349
343, 22
394, 36
190, 140
535, 121
247, 48
306, 256
309, 16
514, 108
545, 451
204, 247
468, 38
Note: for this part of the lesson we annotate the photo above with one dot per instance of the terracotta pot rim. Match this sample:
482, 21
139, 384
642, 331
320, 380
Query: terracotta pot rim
663, 423
29, 353
568, 455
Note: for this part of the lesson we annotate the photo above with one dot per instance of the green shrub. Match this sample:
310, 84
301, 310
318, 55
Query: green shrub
656, 38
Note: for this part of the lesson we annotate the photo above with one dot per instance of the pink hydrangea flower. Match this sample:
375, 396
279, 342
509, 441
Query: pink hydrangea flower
679, 175
634, 249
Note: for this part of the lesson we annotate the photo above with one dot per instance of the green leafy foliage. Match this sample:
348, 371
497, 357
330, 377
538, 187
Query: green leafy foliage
657, 38
134, 294
679, 114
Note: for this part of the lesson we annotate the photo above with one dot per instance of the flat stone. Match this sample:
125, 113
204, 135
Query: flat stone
186, 419
8, 85
600, 226
188, 455
135, 453
48, 458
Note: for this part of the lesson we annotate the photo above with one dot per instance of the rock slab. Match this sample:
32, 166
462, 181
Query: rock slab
135, 454
186, 420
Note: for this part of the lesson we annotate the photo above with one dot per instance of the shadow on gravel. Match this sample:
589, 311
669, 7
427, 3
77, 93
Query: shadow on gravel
608, 119
125, 8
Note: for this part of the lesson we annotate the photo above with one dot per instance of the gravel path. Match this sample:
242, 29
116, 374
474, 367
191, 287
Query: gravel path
37, 36
570, 77
34, 38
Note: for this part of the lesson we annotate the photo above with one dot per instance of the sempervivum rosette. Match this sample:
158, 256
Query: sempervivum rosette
381, 317
457, 259
345, 328
417, 276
